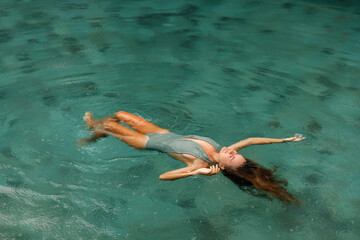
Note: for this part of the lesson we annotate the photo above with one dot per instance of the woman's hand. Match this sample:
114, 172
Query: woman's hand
296, 138
212, 170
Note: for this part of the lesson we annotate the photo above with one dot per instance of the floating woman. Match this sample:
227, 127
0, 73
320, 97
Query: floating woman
202, 155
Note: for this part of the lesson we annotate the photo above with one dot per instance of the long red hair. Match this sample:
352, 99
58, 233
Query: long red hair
252, 174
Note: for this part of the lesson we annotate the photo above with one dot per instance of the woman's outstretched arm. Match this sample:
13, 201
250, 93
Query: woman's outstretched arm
189, 171
259, 141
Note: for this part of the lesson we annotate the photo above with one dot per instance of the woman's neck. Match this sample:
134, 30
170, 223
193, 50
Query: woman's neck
214, 157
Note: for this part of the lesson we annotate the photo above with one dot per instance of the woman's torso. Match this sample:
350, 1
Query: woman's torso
186, 148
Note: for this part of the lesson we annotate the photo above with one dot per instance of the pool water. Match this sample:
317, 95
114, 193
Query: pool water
223, 69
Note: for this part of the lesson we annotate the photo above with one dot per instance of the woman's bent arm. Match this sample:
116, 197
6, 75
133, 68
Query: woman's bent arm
189, 171
178, 173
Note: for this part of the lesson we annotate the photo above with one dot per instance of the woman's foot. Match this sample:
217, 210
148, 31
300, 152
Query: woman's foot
88, 118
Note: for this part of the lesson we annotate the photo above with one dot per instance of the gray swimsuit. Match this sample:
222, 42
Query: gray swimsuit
174, 143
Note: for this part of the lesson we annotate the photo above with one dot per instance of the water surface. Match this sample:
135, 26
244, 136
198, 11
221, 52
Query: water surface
223, 69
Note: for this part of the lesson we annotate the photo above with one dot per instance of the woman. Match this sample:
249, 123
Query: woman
202, 155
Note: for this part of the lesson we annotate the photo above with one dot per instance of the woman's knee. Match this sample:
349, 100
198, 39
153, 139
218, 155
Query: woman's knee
121, 114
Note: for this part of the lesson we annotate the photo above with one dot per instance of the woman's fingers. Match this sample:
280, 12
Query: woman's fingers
299, 138
296, 138
210, 170
217, 169
214, 169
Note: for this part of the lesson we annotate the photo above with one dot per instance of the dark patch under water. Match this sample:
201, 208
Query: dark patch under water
5, 35
267, 31
328, 51
274, 124
292, 90
326, 151
189, 42
186, 202
13, 122
29, 68
21, 57
71, 90
3, 95
72, 45
311, 11
4, 13
253, 88
74, 6
314, 127
134, 176
104, 47
205, 229
8, 153
313, 179
230, 71
327, 81
36, 15
228, 23
325, 95
262, 71
111, 95
33, 41
50, 101
153, 20
287, 5
189, 9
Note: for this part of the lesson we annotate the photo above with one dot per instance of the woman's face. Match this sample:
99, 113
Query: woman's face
229, 158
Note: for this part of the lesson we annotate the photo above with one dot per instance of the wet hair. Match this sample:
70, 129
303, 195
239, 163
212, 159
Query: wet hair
251, 176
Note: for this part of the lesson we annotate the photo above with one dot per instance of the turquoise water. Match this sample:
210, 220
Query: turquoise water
224, 69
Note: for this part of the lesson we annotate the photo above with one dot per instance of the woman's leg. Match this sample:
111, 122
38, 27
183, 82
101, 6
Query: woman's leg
95, 136
108, 126
139, 124
130, 137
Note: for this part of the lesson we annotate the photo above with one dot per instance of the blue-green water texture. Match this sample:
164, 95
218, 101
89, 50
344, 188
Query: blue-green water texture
228, 70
